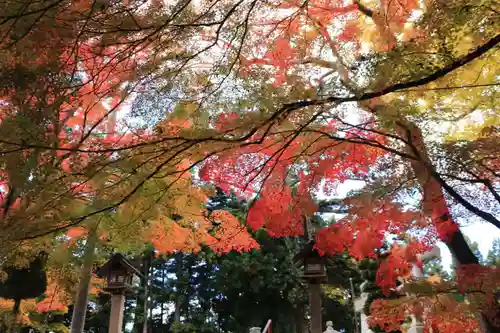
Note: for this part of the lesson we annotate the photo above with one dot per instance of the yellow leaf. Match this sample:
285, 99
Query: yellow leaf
434, 279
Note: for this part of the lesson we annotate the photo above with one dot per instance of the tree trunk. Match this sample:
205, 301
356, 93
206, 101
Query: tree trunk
138, 311
81, 300
435, 207
16, 309
146, 281
148, 271
179, 291
188, 291
177, 313
150, 322
162, 286
141, 307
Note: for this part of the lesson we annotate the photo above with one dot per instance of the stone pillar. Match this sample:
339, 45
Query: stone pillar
315, 304
359, 304
416, 325
116, 317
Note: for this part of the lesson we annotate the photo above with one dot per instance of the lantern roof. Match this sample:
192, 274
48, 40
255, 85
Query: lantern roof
118, 262
308, 251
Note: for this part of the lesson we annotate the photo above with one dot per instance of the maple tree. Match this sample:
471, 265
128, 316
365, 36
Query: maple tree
67, 159
296, 144
437, 300
87, 161
194, 286
321, 92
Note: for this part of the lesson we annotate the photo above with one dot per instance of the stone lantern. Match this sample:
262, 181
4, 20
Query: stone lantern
119, 273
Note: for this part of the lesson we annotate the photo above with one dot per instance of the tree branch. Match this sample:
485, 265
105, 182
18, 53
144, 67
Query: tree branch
363, 9
478, 52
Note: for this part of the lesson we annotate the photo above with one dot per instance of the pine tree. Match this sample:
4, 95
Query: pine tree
493, 257
435, 267
264, 284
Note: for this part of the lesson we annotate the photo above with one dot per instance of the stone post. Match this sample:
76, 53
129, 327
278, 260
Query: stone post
116, 317
417, 326
254, 330
315, 303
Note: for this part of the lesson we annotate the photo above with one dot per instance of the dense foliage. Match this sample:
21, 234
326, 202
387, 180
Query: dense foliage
119, 118
206, 292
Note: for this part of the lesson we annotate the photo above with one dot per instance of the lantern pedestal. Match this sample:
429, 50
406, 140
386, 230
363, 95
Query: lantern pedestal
116, 317
315, 303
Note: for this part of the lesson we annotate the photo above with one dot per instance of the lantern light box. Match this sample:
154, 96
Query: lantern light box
119, 273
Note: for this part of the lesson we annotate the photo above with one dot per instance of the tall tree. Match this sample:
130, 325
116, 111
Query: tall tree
493, 257
24, 283
265, 285
435, 267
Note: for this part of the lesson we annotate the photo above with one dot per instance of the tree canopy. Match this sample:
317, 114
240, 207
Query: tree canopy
120, 118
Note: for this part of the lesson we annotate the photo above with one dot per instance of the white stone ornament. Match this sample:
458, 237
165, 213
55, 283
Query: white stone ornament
329, 328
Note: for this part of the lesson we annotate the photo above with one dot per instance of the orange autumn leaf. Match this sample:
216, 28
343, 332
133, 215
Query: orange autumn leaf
27, 306
49, 305
230, 234
96, 284
76, 232
397, 12
170, 237
56, 298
